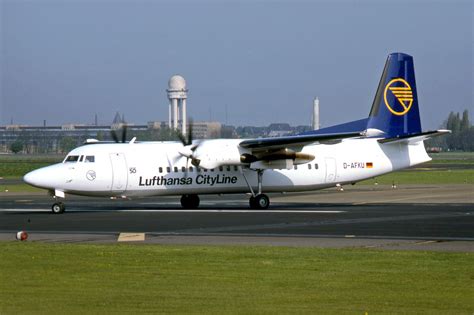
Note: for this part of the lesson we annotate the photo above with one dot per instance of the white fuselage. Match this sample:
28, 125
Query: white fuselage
157, 168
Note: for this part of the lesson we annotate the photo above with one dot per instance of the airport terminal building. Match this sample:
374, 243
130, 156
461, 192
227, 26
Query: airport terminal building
61, 139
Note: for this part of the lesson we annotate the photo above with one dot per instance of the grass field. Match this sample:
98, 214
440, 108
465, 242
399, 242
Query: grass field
431, 176
15, 166
17, 188
73, 278
467, 157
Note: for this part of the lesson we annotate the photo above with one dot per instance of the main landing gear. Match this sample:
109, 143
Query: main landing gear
260, 201
58, 207
257, 200
190, 201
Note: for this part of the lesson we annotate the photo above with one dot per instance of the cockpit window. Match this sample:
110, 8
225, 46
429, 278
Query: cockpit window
72, 158
90, 159
81, 158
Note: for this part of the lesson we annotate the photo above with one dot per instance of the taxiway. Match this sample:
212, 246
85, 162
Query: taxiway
434, 216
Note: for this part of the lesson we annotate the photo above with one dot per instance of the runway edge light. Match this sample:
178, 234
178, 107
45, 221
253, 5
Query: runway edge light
22, 236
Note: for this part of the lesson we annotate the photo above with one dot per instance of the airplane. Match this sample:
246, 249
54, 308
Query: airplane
389, 139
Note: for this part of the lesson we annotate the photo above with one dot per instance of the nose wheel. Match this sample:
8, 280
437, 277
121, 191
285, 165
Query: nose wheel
58, 208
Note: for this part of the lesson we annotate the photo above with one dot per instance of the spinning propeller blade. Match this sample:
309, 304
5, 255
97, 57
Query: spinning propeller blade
188, 147
123, 132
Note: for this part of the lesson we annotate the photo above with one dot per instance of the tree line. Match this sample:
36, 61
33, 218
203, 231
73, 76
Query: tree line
461, 137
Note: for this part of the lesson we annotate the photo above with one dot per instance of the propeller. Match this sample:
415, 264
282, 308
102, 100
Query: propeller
189, 147
123, 134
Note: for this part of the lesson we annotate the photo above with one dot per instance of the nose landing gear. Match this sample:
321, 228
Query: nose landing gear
58, 207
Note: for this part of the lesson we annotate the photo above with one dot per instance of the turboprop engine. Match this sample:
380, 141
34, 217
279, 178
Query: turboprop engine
215, 153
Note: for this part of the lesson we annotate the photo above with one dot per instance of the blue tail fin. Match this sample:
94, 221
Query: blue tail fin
395, 108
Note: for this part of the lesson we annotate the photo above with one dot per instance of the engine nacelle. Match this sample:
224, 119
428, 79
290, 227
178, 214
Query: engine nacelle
214, 153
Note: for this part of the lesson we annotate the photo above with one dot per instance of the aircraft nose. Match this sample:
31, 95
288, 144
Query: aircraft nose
34, 178
46, 177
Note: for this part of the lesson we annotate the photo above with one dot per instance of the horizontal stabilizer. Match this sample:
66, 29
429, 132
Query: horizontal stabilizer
415, 137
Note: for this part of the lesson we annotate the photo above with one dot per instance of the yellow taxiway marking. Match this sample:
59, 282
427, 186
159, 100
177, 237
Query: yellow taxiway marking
131, 237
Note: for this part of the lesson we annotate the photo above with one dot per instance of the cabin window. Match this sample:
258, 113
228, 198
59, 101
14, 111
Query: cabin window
205, 170
296, 167
236, 168
183, 169
191, 169
89, 159
309, 166
221, 168
160, 169
228, 168
168, 169
175, 169
72, 158
212, 170
316, 166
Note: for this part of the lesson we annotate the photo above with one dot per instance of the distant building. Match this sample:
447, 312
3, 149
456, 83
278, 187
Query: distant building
279, 130
59, 139
206, 130
41, 139
273, 130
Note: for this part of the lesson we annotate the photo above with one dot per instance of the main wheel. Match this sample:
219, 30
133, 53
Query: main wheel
252, 203
58, 208
190, 201
260, 202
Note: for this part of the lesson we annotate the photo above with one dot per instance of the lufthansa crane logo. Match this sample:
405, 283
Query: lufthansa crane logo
91, 175
403, 96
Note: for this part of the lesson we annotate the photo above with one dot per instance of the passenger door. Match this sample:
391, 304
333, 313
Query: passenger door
119, 172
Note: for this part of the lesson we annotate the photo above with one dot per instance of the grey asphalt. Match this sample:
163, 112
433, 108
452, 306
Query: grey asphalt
412, 217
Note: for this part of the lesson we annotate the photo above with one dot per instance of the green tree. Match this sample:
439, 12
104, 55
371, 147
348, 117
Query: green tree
462, 136
67, 144
465, 124
16, 146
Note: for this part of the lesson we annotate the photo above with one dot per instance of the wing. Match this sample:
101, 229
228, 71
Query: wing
294, 141
284, 152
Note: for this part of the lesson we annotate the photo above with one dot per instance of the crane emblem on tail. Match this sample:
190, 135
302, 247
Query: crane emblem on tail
403, 93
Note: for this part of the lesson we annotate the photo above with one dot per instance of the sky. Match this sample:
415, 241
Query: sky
245, 62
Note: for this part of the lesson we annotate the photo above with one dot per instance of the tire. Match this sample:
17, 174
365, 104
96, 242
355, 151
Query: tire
262, 201
190, 201
252, 203
58, 208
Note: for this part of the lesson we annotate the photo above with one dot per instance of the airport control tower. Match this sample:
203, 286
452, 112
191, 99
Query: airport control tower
177, 95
